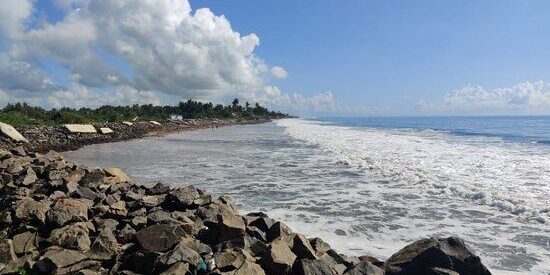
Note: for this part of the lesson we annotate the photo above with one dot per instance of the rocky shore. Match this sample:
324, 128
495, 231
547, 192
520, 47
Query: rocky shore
61, 218
59, 138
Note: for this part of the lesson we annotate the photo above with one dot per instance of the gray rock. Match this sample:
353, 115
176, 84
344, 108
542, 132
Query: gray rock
159, 237
230, 227
182, 198
65, 211
31, 210
364, 268
421, 256
250, 268
59, 258
105, 243
181, 253
25, 242
231, 259
84, 265
158, 189
73, 236
314, 267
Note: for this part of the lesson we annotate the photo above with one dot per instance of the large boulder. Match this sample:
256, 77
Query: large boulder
302, 248
278, 259
182, 198
25, 242
181, 253
231, 259
59, 258
105, 243
314, 267
230, 227
10, 132
117, 174
422, 256
159, 237
364, 268
73, 236
67, 210
31, 210
250, 268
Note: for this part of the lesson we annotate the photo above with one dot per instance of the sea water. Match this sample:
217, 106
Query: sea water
371, 185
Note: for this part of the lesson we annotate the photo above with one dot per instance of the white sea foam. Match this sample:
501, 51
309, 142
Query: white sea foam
511, 177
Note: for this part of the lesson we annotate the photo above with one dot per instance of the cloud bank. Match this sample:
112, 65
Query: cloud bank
129, 51
527, 98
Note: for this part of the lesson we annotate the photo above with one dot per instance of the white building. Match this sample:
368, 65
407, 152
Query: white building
176, 117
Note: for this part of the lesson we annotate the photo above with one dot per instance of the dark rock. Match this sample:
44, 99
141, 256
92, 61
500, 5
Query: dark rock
178, 269
262, 223
127, 233
364, 268
142, 262
278, 259
302, 248
161, 217
158, 189
421, 256
314, 267
160, 237
442, 271
256, 233
254, 246
196, 245
278, 230
372, 260
7, 252
86, 193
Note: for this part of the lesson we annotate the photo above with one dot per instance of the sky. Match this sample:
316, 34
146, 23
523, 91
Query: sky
311, 58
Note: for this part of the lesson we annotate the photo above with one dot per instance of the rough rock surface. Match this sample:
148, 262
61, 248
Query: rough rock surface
69, 219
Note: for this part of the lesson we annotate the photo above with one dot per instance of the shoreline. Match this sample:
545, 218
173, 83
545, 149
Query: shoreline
58, 138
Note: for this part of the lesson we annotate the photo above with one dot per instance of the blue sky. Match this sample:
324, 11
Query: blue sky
342, 57
387, 53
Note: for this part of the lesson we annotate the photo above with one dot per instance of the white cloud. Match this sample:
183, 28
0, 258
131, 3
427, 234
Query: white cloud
279, 72
80, 96
163, 49
525, 98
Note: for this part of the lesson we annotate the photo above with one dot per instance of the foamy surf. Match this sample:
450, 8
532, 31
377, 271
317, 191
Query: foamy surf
304, 174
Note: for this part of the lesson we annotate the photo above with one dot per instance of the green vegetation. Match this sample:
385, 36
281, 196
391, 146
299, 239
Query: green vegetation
24, 114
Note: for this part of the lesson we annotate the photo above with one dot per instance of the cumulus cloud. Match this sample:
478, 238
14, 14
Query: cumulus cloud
134, 49
525, 98
278, 72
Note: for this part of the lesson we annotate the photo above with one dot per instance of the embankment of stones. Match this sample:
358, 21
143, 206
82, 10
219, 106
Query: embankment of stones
39, 138
61, 218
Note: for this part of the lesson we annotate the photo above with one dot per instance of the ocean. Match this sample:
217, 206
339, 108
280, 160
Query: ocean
371, 185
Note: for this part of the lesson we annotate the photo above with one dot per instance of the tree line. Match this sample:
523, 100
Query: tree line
25, 114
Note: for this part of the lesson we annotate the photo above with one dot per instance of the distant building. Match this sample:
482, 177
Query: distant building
176, 117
